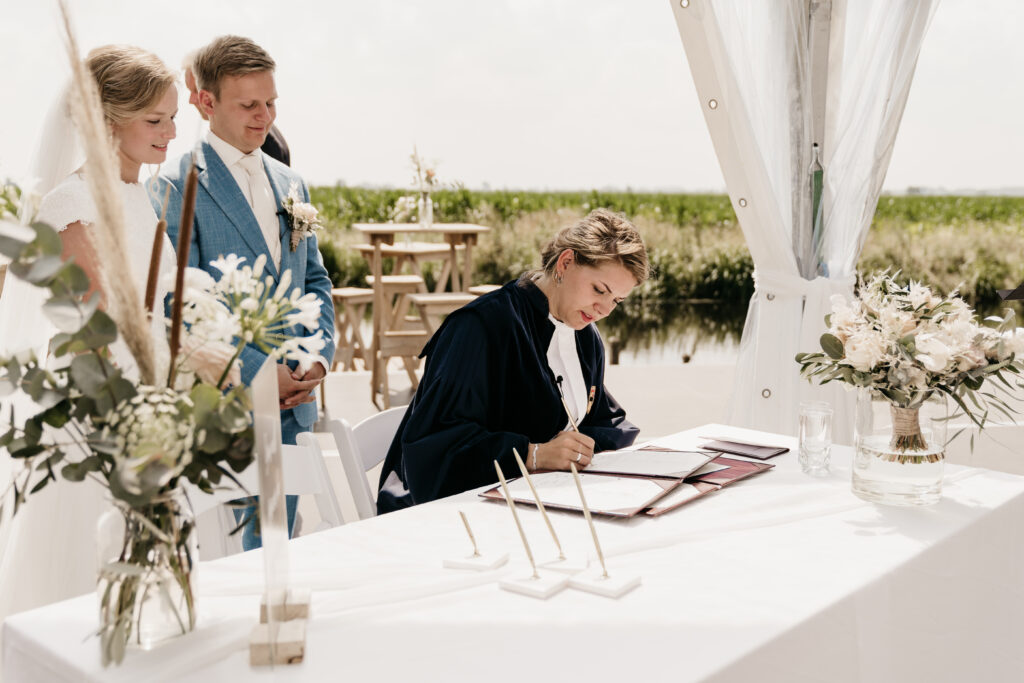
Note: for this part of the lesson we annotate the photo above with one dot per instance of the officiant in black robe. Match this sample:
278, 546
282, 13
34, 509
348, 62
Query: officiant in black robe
521, 367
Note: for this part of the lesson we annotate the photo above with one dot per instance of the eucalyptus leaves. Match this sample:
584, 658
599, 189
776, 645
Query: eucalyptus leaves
906, 343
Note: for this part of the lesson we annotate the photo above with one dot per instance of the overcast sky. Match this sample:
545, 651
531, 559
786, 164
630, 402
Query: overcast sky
540, 94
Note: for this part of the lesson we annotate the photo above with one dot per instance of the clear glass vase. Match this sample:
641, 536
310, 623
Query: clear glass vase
147, 557
425, 209
899, 453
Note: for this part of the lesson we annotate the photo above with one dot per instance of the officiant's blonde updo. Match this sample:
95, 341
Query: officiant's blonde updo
130, 80
602, 236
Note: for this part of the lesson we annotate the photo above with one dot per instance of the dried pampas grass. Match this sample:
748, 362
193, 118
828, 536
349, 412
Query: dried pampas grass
102, 172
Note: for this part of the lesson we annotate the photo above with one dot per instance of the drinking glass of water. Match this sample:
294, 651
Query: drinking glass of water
815, 437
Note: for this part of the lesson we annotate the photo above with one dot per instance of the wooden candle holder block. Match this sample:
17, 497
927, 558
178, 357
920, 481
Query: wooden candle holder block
290, 647
296, 606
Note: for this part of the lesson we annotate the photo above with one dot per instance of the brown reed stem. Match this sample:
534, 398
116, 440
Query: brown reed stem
156, 255
188, 210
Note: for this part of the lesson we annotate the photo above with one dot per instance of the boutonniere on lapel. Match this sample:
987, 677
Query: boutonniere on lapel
303, 217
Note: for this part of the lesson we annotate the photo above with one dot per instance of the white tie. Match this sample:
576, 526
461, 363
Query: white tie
263, 205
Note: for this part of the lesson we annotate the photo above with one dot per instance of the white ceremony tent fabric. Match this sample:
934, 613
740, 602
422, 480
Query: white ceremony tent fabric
775, 77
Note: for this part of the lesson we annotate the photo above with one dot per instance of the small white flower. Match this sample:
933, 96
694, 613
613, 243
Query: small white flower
865, 349
932, 353
228, 264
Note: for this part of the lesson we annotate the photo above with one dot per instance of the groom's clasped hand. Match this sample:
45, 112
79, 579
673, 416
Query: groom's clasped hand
296, 386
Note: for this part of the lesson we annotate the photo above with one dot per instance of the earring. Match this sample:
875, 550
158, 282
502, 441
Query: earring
558, 278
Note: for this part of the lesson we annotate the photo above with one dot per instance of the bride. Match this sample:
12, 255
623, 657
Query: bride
49, 554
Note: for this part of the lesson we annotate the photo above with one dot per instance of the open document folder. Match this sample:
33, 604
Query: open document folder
615, 496
619, 483
625, 495
650, 461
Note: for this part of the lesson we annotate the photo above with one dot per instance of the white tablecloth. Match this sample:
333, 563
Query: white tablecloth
778, 578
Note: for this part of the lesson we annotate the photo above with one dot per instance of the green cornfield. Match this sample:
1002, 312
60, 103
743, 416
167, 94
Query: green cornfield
696, 247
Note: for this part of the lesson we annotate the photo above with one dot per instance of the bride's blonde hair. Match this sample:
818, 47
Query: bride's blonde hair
130, 80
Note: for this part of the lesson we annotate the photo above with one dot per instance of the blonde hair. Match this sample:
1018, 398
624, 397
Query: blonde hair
129, 79
228, 56
601, 237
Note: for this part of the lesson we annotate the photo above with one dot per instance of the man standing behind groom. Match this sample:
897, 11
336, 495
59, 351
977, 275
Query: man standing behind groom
239, 209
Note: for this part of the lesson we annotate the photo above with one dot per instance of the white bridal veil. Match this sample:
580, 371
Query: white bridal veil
23, 327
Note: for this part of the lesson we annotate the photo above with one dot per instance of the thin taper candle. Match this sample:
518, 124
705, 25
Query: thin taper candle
540, 505
515, 516
472, 539
590, 522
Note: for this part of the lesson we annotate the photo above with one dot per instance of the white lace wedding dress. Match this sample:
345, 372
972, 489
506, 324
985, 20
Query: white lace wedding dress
50, 551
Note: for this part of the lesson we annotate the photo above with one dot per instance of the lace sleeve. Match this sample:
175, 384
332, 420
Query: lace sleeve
69, 202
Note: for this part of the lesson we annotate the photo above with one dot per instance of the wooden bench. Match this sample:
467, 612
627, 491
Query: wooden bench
415, 254
480, 290
432, 306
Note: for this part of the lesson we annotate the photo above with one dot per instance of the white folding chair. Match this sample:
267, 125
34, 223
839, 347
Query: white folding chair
363, 447
305, 473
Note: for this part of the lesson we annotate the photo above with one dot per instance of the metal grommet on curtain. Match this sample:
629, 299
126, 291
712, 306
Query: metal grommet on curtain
684, 3
712, 104
769, 296
766, 393
742, 202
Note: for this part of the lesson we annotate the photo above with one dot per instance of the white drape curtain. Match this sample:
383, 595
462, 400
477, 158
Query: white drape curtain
773, 77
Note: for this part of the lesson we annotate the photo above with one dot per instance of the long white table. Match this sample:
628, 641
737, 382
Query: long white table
777, 578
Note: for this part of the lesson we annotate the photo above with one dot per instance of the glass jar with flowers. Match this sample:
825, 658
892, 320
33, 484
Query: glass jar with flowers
142, 433
919, 361
425, 182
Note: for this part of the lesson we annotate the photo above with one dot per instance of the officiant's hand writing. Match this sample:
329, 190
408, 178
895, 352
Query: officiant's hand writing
295, 388
565, 448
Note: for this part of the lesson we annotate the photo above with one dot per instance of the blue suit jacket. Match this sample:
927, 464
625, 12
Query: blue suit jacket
224, 224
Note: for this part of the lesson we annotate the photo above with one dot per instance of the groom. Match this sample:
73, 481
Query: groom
239, 210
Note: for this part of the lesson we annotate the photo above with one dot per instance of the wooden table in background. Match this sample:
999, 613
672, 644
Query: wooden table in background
415, 254
380, 234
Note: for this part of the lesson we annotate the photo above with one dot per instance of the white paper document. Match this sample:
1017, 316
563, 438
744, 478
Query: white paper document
602, 492
708, 469
650, 463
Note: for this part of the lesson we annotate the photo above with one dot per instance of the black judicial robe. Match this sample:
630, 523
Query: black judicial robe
487, 388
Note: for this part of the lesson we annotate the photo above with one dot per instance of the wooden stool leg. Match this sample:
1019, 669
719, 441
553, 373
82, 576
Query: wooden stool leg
410, 369
467, 265
358, 345
417, 270
442, 279
455, 267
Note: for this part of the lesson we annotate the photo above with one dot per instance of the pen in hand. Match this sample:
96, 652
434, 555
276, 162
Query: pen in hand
565, 405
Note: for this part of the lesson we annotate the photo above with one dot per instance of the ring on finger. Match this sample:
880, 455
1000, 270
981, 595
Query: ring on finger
578, 456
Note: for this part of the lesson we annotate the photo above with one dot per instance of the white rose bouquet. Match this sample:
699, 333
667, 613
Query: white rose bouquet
906, 343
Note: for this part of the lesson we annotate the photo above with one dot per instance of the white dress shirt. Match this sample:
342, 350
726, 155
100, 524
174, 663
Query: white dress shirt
255, 187
248, 172
564, 361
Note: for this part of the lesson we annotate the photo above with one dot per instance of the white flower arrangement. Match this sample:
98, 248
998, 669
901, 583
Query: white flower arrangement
906, 343
303, 216
243, 307
404, 209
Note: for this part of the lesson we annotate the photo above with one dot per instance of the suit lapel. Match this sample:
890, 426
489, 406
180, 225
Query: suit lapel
217, 180
281, 184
